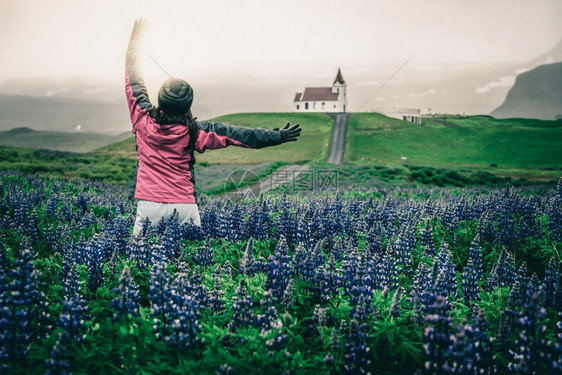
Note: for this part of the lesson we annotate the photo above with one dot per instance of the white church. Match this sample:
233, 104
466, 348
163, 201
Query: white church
323, 99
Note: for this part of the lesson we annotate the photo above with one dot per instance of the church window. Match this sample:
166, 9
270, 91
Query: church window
306, 105
297, 107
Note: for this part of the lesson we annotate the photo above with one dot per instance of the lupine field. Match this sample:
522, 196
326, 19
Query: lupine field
388, 280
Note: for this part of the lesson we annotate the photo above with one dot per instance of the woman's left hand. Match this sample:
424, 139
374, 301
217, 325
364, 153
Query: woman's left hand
139, 29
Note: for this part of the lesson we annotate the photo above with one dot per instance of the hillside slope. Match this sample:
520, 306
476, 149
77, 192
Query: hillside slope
311, 146
478, 142
536, 94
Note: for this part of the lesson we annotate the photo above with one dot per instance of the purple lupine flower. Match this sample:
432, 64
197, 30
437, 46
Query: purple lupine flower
357, 354
427, 240
127, 297
74, 312
287, 223
204, 256
525, 359
304, 229
23, 311
279, 271
299, 260
319, 317
421, 285
161, 226
175, 307
58, 364
447, 285
259, 221
194, 286
184, 324
52, 205
533, 286
349, 265
157, 255
271, 326
242, 315
210, 222
95, 257
160, 294
147, 229
472, 274
552, 283
248, 260
517, 297
402, 248
214, 301
170, 243
139, 252
268, 303
288, 295
386, 273
437, 337
328, 279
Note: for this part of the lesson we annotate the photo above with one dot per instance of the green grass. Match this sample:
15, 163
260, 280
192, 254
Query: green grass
512, 147
109, 168
312, 144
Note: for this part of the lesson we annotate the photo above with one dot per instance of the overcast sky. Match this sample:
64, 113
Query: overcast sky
62, 38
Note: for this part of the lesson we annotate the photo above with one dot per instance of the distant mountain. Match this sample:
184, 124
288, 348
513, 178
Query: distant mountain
536, 94
63, 114
60, 141
83, 88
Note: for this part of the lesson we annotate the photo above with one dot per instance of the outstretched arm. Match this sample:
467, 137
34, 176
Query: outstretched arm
217, 135
137, 95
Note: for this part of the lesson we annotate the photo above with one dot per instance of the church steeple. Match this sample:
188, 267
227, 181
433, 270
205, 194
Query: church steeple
339, 78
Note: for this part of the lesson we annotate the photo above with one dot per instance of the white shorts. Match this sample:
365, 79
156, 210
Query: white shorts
155, 211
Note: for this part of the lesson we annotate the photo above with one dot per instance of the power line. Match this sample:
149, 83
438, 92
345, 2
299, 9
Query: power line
168, 74
385, 82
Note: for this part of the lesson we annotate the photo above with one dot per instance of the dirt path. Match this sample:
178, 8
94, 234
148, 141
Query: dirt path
337, 143
284, 175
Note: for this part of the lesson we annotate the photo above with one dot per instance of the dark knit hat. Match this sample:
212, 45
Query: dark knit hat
175, 96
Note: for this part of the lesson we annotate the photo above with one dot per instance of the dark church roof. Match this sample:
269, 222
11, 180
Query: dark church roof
339, 77
312, 94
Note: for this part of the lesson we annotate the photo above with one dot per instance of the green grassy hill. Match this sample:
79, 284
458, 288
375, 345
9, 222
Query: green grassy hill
477, 150
516, 147
312, 145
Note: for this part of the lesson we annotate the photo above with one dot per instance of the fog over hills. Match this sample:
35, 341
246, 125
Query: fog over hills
98, 105
62, 114
56, 140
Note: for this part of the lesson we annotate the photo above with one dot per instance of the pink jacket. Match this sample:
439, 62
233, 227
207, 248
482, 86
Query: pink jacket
165, 164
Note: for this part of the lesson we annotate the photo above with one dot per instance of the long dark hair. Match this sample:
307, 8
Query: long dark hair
186, 119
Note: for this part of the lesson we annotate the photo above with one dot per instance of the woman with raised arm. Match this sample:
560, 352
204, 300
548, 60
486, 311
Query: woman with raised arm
167, 136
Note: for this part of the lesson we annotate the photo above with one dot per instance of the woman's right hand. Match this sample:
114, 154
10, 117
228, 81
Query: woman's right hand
139, 29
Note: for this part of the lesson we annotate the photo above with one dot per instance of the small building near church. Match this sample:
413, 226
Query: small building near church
323, 99
406, 114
